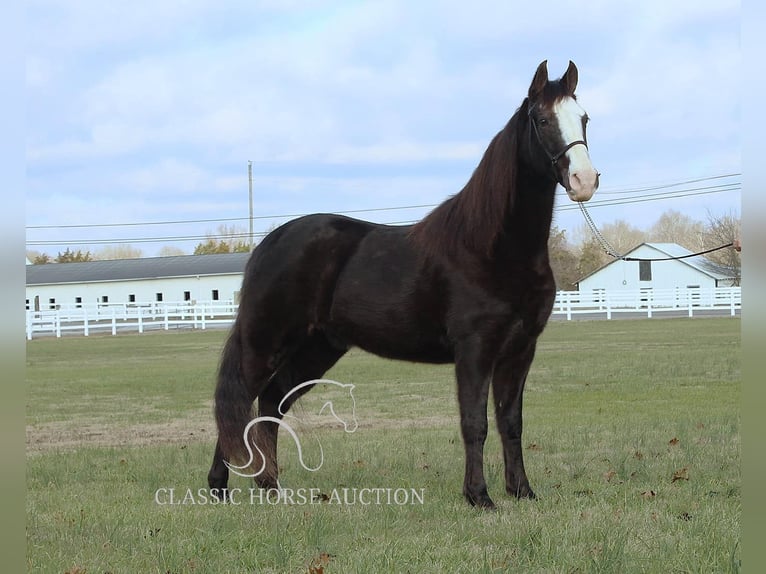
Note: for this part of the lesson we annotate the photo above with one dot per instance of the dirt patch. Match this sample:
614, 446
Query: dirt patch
66, 435
196, 428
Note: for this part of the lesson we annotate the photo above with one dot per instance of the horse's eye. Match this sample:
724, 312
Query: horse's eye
542, 122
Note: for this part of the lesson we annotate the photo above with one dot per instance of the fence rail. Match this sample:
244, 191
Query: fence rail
141, 317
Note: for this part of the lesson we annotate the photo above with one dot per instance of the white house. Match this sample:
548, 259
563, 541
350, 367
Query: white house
695, 272
187, 278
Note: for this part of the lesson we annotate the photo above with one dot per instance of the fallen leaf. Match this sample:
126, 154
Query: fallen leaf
648, 494
534, 446
608, 476
674, 441
638, 455
682, 474
317, 564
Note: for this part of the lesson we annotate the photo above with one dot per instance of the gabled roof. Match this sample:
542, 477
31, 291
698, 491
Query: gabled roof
132, 269
699, 262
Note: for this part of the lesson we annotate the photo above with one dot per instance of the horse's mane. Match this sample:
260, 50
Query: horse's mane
474, 216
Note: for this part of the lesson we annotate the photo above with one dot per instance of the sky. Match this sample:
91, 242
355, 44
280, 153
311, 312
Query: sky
140, 123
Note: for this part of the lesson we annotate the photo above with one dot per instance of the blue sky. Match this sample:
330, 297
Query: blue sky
151, 114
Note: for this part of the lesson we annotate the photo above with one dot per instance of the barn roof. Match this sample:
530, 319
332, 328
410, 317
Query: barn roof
133, 269
699, 262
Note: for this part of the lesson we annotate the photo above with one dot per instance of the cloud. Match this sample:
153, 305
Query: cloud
172, 98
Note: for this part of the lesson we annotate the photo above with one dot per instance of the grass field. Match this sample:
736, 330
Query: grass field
632, 436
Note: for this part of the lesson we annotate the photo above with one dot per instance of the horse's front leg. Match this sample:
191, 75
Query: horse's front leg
472, 390
508, 381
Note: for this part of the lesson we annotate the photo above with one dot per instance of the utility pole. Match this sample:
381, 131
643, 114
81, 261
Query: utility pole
250, 188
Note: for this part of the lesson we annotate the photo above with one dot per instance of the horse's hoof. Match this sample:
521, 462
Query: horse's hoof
482, 501
521, 492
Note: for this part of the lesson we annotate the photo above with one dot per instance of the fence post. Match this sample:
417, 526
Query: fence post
569, 305
29, 325
167, 324
649, 298
140, 313
57, 324
731, 301
114, 321
608, 302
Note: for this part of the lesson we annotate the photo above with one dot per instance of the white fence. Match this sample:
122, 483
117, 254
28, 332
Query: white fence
137, 317
140, 317
648, 302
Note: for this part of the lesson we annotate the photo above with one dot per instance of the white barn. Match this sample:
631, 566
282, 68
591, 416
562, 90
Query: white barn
692, 273
187, 278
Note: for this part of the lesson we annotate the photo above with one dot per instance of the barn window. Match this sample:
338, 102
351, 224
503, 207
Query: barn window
78, 302
105, 299
132, 298
215, 294
159, 297
187, 295
27, 304
52, 303
645, 270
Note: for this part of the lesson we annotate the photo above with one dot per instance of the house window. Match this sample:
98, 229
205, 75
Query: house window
132, 298
105, 299
645, 270
78, 302
187, 295
215, 294
52, 303
159, 297
27, 304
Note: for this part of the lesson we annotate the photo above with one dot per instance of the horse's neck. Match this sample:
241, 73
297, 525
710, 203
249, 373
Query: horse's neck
528, 223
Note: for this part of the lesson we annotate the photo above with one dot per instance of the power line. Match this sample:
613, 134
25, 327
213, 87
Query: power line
677, 194
352, 211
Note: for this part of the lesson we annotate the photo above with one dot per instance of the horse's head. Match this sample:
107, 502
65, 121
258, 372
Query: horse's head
557, 139
344, 408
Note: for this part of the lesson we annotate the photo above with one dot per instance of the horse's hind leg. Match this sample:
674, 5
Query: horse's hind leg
242, 375
218, 476
311, 360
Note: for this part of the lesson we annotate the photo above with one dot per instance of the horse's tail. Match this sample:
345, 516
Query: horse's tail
233, 401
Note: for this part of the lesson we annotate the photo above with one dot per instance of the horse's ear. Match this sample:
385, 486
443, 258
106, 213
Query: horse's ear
569, 80
539, 81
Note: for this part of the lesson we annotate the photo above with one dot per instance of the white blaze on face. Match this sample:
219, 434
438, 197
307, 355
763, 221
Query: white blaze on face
582, 177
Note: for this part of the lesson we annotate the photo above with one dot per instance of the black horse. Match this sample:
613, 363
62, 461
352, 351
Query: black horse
471, 283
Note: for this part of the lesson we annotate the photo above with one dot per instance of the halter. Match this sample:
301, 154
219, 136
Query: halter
554, 158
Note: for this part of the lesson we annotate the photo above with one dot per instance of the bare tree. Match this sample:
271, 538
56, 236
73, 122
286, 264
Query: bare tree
721, 230
170, 251
675, 227
118, 252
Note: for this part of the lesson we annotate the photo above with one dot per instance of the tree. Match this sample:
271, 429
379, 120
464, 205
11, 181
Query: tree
623, 236
118, 252
37, 258
227, 240
592, 257
70, 256
170, 251
563, 260
720, 230
675, 227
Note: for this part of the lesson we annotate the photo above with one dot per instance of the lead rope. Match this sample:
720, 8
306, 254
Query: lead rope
612, 252
605, 245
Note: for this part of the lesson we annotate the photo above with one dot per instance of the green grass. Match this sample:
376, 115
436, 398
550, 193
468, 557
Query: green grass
614, 411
